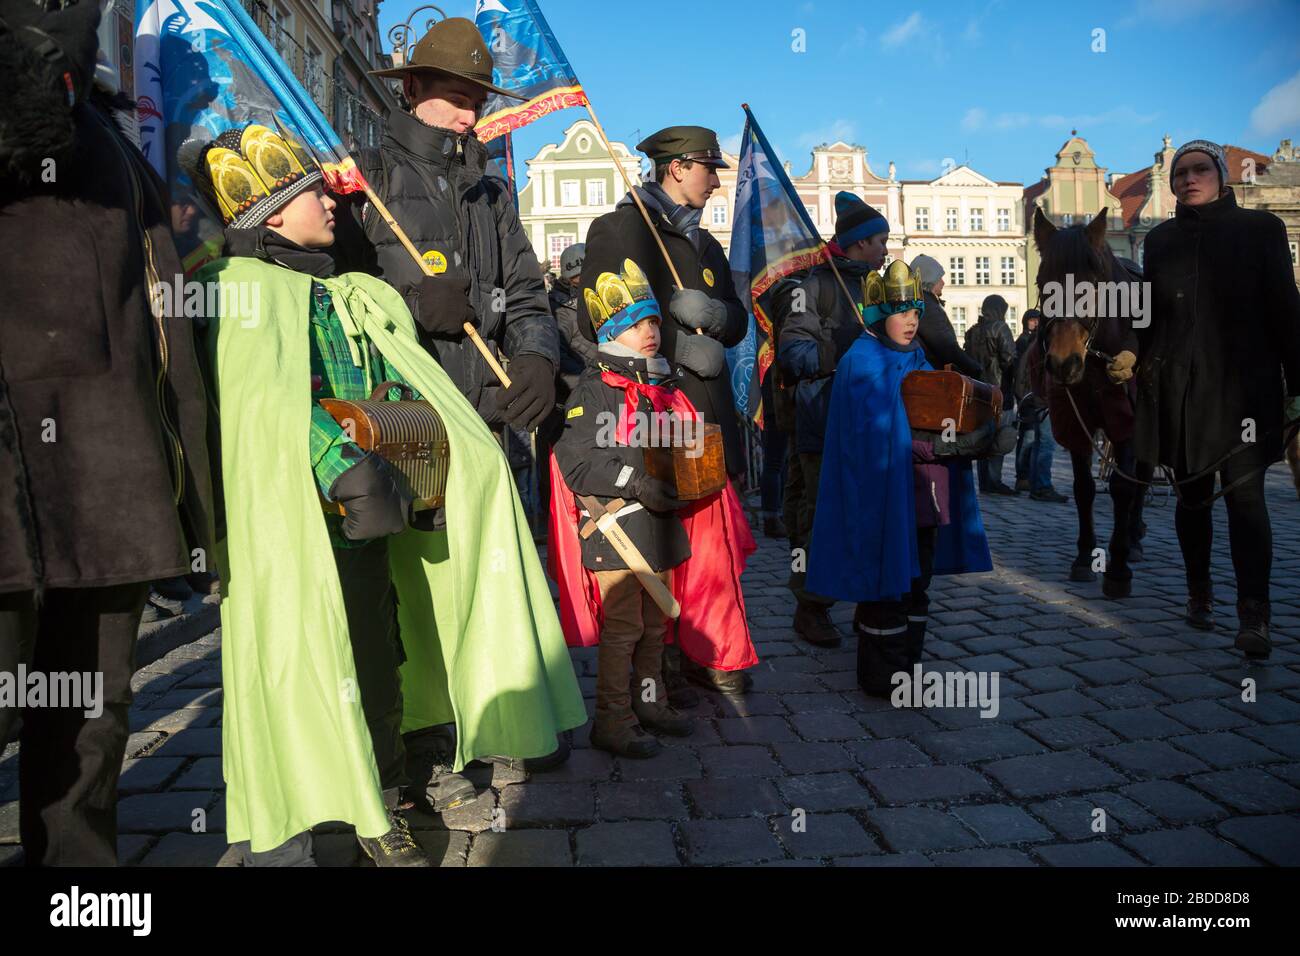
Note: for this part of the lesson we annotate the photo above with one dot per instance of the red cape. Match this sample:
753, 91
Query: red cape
712, 630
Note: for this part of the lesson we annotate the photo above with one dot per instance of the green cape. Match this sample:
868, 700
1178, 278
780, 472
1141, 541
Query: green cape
483, 643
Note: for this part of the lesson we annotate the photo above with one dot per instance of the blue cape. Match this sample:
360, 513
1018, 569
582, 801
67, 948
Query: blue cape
864, 534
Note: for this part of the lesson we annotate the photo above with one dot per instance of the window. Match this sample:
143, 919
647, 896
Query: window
981, 270
313, 76
1004, 220
569, 192
812, 213
922, 217
595, 192
1008, 270
1293, 252
952, 220
959, 319
957, 270
1011, 313
559, 242
977, 220
719, 214
1170, 214
1068, 219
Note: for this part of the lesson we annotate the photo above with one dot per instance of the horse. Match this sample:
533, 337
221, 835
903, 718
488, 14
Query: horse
1068, 362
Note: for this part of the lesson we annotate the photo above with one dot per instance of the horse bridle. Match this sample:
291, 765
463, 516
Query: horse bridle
1045, 329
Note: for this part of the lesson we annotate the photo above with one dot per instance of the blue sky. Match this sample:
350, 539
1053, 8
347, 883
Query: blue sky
999, 84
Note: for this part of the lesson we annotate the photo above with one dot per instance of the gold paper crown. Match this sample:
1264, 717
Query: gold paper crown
621, 298
253, 170
899, 286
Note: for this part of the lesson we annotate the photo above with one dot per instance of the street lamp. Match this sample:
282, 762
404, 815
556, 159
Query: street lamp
401, 35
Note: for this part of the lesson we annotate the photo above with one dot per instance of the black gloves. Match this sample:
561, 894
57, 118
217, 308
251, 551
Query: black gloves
374, 498
531, 394
826, 361
443, 306
696, 310
988, 441
702, 355
655, 494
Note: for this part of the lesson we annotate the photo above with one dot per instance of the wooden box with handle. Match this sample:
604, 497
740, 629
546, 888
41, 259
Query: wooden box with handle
934, 400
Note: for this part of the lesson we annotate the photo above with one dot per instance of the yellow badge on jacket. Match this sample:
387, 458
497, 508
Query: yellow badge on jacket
436, 260
708, 278
575, 412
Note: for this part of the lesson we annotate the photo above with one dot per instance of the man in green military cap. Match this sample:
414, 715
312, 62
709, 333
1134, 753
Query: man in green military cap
686, 160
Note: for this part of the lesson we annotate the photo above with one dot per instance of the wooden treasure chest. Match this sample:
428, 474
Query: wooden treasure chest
696, 473
408, 434
934, 399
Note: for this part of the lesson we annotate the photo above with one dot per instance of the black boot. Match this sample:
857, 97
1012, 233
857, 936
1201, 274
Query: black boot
1252, 633
882, 647
1200, 605
396, 847
915, 639
812, 622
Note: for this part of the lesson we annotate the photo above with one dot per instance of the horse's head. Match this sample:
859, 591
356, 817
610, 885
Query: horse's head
1080, 254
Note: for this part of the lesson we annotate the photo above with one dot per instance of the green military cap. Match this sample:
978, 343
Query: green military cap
698, 143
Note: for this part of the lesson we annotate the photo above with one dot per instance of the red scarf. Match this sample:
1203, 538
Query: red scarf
661, 398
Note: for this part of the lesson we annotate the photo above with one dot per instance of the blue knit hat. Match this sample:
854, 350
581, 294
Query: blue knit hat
855, 220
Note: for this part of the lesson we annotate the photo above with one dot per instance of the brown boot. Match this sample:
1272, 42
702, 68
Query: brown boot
623, 737
657, 713
812, 622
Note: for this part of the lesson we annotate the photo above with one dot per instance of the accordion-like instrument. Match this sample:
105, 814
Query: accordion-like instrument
695, 471
407, 433
934, 400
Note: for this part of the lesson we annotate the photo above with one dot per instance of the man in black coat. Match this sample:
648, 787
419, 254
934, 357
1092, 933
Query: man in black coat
430, 173
104, 477
1221, 358
989, 342
938, 338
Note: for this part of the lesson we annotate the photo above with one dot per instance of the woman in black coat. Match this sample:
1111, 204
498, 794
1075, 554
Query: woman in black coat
1221, 356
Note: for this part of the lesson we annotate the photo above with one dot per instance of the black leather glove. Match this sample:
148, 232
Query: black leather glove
374, 498
696, 310
702, 355
655, 494
531, 394
429, 519
443, 305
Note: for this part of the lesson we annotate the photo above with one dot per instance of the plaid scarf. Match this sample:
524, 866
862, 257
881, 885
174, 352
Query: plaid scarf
683, 218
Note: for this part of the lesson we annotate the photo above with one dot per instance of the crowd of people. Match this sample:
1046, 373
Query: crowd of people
375, 641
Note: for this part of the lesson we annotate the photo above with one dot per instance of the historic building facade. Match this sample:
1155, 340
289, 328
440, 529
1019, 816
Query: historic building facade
974, 226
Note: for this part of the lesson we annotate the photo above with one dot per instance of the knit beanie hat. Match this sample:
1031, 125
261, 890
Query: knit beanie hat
1214, 150
855, 220
929, 268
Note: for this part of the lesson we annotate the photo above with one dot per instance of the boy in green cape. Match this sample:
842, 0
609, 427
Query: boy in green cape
333, 642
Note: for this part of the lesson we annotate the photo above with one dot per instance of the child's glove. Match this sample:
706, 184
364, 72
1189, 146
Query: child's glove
696, 310
702, 355
375, 502
655, 494
1120, 370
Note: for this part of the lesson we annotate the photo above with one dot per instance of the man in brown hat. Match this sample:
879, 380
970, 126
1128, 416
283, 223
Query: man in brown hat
429, 172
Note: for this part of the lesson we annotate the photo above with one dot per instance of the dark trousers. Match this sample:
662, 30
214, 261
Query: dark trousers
916, 604
69, 763
371, 603
772, 482
1250, 535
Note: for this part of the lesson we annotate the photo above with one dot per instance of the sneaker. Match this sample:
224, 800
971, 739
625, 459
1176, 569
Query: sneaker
396, 847
1047, 494
812, 622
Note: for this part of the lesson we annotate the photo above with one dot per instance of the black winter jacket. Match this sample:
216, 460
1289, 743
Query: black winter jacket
940, 340
1225, 329
989, 342
575, 351
592, 465
433, 183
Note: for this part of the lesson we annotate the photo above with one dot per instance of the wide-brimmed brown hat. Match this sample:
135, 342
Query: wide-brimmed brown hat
454, 47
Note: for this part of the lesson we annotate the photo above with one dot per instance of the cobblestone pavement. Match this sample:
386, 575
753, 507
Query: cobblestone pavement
1112, 714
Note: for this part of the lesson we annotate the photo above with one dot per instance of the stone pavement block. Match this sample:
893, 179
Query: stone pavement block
981, 742
193, 742
138, 743
921, 829
982, 857
817, 703
584, 764
1092, 853
1063, 733
1268, 709
735, 797
824, 791
1274, 838
840, 681
1206, 715
784, 682
1043, 774
1101, 650
160, 812
824, 835
1248, 790
521, 848
871, 754
1062, 703
641, 800
203, 774
1043, 679
1041, 656
473, 817
988, 663
146, 773
1122, 696
131, 848
1162, 665
627, 844
187, 849
804, 757
547, 805
751, 705
1224, 750
922, 784
1173, 802
443, 847
754, 730
1277, 737
170, 721
1190, 846
669, 764
1000, 823
827, 726
994, 644
1140, 723
1192, 687
1075, 817
1145, 759
189, 697
911, 858
896, 723
737, 761
711, 842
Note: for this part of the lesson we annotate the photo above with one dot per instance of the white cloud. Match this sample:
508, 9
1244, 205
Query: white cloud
977, 119
901, 33
841, 129
1279, 109
731, 144
974, 119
